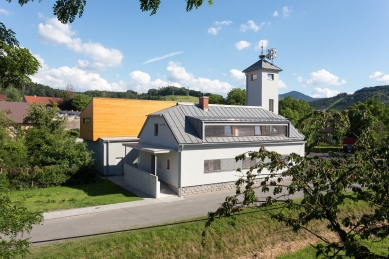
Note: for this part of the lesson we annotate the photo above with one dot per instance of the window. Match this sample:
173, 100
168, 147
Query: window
86, 120
168, 164
253, 77
257, 131
155, 129
271, 105
211, 165
247, 163
270, 76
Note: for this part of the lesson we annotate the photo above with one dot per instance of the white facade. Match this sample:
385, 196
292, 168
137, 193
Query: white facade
262, 86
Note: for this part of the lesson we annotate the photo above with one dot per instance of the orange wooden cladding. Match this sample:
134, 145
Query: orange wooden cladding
117, 117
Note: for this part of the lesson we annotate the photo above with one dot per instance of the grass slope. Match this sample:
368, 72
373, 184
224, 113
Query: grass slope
182, 98
253, 231
102, 192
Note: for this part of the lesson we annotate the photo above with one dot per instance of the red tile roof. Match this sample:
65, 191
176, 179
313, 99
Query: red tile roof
42, 100
3, 97
14, 110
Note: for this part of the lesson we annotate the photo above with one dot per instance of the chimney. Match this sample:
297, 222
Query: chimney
203, 101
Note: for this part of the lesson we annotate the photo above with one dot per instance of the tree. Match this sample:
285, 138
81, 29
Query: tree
13, 94
215, 98
80, 101
236, 96
326, 184
67, 10
16, 63
294, 109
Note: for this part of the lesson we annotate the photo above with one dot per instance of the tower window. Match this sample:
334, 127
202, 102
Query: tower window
155, 129
253, 77
271, 105
270, 76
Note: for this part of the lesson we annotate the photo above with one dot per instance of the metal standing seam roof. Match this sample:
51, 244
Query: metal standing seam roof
186, 134
262, 64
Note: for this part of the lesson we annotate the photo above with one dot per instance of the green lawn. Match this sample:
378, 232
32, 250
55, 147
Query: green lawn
182, 98
102, 192
252, 232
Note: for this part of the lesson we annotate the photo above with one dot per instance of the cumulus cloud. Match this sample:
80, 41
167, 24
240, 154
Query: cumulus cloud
242, 44
324, 92
223, 23
214, 30
300, 79
57, 33
163, 57
261, 43
379, 77
286, 11
323, 77
251, 26
281, 84
238, 76
275, 14
5, 12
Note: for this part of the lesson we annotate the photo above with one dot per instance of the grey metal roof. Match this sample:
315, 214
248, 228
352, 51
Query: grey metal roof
186, 134
262, 64
240, 119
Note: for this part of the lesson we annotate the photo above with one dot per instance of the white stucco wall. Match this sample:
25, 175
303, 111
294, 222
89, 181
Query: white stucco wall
170, 175
192, 161
141, 180
165, 137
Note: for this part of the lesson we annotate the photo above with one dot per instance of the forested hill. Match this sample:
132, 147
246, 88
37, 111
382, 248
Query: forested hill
343, 100
297, 95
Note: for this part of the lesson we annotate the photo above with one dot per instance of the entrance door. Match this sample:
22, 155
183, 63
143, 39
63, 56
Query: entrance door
152, 171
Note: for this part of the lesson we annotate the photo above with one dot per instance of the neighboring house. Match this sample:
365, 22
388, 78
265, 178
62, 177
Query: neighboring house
72, 119
14, 110
107, 123
48, 101
3, 98
192, 148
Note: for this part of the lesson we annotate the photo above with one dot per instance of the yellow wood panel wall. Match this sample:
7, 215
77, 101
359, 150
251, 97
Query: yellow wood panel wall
86, 130
122, 117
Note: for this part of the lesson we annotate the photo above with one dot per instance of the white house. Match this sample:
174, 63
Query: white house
192, 148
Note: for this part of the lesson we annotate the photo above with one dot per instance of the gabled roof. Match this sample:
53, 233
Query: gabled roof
15, 110
262, 64
42, 100
184, 132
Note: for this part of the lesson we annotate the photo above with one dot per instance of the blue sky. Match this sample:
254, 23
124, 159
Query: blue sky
323, 47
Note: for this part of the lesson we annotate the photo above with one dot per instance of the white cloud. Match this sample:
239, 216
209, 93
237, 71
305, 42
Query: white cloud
286, 11
238, 76
251, 26
379, 77
5, 12
281, 84
323, 92
163, 57
223, 23
265, 43
300, 79
275, 14
57, 33
242, 44
323, 77
214, 30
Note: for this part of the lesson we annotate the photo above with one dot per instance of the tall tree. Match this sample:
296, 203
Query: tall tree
294, 109
67, 10
80, 101
236, 96
326, 186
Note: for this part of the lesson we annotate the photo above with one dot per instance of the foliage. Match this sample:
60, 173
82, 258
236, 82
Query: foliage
67, 10
236, 96
215, 98
324, 184
343, 100
14, 220
294, 109
13, 94
80, 101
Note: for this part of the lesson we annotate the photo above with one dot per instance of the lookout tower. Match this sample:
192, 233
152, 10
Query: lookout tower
262, 82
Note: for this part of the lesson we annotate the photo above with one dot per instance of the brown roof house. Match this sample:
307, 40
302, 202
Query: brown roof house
48, 101
14, 110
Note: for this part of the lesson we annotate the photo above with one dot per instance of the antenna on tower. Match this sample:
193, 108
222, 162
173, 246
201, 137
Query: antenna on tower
262, 56
271, 54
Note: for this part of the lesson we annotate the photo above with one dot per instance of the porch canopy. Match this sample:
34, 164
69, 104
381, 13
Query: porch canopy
150, 148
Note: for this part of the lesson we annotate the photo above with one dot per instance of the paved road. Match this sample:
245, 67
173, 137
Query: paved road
135, 215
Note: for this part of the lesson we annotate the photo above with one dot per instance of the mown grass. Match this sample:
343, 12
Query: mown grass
102, 192
253, 231
309, 252
182, 98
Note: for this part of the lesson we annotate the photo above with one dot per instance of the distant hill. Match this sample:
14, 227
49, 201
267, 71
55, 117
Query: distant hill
343, 100
297, 95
